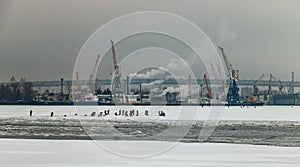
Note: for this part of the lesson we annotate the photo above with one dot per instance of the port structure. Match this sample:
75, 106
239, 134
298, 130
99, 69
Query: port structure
233, 91
117, 90
255, 88
253, 96
208, 89
92, 83
78, 84
270, 93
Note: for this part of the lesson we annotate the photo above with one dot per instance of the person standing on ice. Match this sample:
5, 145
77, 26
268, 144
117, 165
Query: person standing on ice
30, 113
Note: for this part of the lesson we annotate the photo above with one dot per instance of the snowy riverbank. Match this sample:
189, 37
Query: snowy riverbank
77, 153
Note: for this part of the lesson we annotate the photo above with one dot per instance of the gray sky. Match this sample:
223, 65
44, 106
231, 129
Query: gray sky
40, 39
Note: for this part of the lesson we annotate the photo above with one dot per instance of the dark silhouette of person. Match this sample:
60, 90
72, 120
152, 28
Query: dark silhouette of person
106, 112
146, 112
131, 113
161, 113
30, 113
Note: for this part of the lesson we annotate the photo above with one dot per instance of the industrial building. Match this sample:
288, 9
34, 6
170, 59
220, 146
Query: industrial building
118, 90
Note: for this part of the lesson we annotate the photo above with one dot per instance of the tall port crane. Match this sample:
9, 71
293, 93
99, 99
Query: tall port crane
208, 89
276, 79
92, 77
253, 97
270, 93
255, 88
233, 91
117, 90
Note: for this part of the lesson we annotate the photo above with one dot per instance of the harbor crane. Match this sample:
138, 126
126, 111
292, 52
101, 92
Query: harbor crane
255, 88
117, 90
77, 95
280, 84
233, 91
270, 93
253, 97
92, 77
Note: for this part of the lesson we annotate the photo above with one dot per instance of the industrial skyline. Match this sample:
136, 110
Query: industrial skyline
39, 40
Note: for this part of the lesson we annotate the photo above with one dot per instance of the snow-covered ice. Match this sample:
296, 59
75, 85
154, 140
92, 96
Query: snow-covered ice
78, 153
269, 113
72, 153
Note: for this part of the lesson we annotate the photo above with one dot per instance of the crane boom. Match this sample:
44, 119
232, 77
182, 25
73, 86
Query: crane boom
255, 83
209, 91
228, 65
95, 66
278, 80
255, 88
117, 68
93, 75
114, 55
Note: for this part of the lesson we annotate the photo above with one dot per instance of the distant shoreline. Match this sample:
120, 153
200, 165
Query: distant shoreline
131, 104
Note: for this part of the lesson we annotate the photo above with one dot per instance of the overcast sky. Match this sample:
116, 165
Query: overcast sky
40, 39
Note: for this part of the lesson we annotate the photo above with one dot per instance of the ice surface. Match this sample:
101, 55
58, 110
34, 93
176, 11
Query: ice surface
269, 125
277, 113
78, 153
72, 153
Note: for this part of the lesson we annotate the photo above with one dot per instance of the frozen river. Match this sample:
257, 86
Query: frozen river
73, 153
254, 125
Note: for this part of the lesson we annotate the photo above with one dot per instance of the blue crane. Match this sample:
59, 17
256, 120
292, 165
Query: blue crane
233, 91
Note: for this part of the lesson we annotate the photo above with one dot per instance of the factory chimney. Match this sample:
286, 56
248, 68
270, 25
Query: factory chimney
127, 85
127, 88
189, 87
61, 86
141, 94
